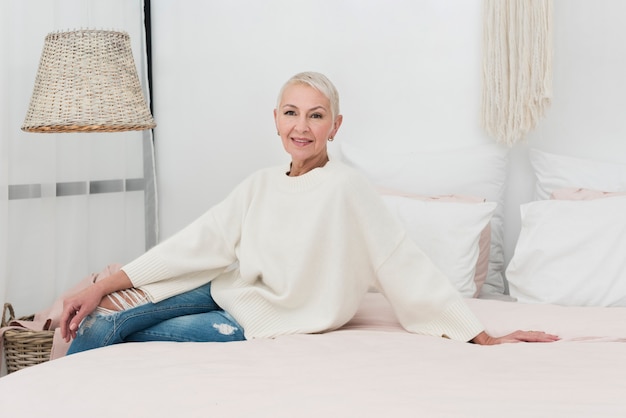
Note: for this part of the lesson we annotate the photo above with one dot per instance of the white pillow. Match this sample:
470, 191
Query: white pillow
555, 172
571, 253
475, 171
448, 232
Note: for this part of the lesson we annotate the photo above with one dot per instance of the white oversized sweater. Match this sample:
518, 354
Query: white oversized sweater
292, 255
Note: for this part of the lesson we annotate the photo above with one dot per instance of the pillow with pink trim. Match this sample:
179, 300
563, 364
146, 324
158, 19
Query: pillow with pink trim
573, 193
555, 172
453, 230
478, 170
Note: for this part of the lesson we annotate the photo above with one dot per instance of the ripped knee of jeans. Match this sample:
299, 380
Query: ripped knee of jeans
91, 319
122, 300
225, 329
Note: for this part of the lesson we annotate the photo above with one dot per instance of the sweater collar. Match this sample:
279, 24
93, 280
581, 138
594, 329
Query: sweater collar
305, 181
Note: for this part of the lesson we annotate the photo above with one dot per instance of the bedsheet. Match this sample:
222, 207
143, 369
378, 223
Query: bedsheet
369, 368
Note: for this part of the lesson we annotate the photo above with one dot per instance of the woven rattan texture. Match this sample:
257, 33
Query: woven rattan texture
87, 82
22, 347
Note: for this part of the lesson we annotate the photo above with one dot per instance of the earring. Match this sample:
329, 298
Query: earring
331, 139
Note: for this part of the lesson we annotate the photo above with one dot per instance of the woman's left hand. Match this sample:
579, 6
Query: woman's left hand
515, 337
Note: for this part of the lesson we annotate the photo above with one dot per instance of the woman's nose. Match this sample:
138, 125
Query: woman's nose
302, 125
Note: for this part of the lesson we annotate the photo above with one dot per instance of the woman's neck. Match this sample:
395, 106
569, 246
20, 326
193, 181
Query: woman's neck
299, 168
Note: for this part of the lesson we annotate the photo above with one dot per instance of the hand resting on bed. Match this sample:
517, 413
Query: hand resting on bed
515, 337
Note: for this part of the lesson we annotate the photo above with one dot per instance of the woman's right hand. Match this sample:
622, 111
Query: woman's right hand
76, 307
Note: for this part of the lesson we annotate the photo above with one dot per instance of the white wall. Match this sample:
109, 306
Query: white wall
408, 73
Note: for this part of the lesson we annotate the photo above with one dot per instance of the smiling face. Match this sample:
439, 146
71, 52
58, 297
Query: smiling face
305, 122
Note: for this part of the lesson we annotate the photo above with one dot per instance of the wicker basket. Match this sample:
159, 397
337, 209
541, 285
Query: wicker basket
24, 348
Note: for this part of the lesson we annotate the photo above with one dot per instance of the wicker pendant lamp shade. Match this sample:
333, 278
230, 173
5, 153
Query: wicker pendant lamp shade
87, 82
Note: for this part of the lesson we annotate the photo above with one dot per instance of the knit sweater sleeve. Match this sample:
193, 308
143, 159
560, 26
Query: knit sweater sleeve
422, 297
196, 254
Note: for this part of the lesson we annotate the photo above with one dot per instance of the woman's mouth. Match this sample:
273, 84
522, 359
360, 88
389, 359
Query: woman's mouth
301, 141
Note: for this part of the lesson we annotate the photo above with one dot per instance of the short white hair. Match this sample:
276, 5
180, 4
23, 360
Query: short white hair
320, 83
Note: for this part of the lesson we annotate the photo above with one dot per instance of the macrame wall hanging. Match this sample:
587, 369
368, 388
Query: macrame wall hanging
517, 66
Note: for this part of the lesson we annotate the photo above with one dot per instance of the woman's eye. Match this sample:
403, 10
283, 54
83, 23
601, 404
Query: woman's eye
317, 116
289, 113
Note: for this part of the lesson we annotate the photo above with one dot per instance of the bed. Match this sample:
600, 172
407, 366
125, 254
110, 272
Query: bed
369, 368
566, 277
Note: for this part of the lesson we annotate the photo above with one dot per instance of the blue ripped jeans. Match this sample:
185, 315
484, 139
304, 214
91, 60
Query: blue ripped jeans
189, 317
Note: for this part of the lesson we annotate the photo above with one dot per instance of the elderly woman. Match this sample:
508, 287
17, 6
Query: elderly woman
290, 250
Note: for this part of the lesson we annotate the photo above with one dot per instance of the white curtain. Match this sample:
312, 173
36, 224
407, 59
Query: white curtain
69, 203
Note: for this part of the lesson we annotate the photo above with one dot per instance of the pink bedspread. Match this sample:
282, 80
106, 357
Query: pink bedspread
369, 368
